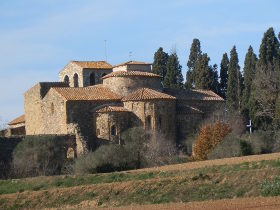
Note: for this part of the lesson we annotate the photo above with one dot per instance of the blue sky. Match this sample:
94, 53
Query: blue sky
38, 38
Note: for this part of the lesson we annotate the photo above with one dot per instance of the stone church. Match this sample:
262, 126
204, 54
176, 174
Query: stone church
96, 102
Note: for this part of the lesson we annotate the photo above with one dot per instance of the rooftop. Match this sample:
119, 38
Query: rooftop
131, 73
192, 94
93, 64
87, 94
132, 63
147, 94
18, 120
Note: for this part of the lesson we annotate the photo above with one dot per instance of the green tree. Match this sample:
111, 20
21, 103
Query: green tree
265, 87
249, 75
159, 64
224, 75
174, 77
195, 53
234, 84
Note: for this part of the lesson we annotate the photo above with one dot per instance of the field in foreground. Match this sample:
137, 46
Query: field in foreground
244, 177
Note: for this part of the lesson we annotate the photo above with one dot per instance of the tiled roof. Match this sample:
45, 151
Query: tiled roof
131, 73
147, 94
111, 109
93, 64
133, 63
18, 120
190, 94
87, 94
188, 110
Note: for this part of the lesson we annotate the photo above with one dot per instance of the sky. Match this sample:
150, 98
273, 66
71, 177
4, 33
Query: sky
38, 38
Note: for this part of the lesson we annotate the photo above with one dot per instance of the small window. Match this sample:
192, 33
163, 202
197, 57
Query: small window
92, 79
66, 79
159, 122
70, 153
76, 80
98, 132
52, 108
148, 122
113, 130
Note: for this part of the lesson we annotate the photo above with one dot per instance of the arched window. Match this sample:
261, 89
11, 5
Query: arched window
113, 130
66, 79
76, 80
92, 79
148, 122
52, 108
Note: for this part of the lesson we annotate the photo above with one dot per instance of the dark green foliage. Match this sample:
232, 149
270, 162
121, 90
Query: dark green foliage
206, 77
246, 148
195, 53
265, 87
159, 64
174, 77
224, 75
38, 155
234, 82
249, 75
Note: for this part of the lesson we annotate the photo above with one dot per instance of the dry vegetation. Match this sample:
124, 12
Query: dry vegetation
198, 181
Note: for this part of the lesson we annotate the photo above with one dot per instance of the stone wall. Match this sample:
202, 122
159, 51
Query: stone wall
128, 84
70, 70
33, 106
110, 125
98, 74
53, 114
160, 113
80, 122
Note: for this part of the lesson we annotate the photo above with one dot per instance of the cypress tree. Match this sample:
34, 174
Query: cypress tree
174, 77
265, 88
234, 82
249, 75
159, 64
195, 53
224, 75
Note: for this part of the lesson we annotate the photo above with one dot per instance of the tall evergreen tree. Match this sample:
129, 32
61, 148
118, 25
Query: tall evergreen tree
174, 77
234, 84
265, 88
249, 75
195, 53
159, 64
224, 75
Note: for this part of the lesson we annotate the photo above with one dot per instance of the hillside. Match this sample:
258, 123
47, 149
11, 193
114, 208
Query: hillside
242, 177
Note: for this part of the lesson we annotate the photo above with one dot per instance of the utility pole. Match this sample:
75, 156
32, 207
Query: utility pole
130, 55
250, 126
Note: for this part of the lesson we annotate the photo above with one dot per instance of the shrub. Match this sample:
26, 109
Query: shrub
271, 188
210, 135
37, 155
246, 148
229, 147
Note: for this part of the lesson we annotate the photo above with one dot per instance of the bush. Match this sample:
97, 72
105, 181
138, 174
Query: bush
271, 188
36, 156
210, 135
245, 148
229, 147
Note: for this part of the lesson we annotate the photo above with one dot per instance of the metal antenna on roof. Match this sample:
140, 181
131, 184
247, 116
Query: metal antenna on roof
130, 55
105, 48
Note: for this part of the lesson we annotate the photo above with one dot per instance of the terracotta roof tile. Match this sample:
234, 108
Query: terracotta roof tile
147, 94
18, 120
190, 94
93, 64
132, 63
87, 94
131, 73
112, 109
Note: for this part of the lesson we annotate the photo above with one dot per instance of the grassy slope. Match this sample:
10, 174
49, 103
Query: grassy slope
144, 187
